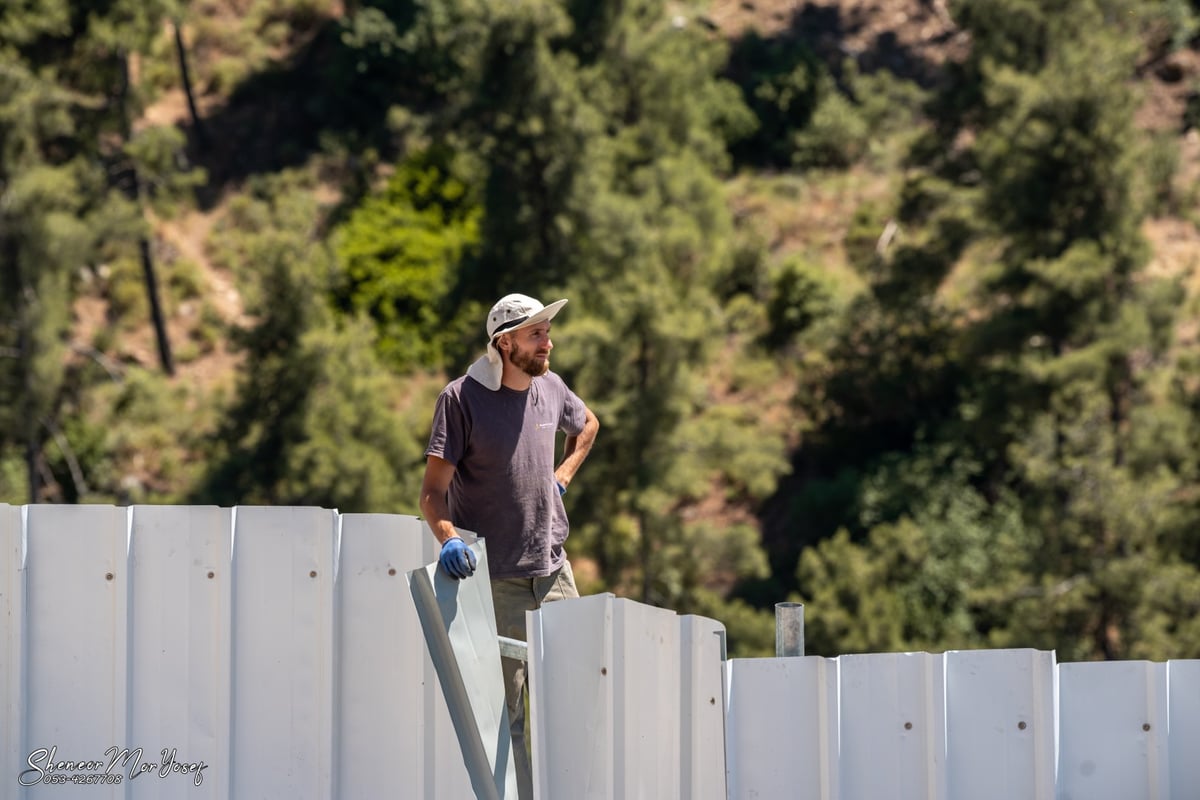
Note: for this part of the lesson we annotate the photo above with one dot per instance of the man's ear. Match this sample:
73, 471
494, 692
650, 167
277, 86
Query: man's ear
503, 342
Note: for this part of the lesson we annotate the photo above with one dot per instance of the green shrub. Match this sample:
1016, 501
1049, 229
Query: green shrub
888, 104
1159, 165
185, 279
186, 352
1191, 110
104, 339
126, 293
836, 136
781, 83
210, 328
398, 254
14, 488
802, 293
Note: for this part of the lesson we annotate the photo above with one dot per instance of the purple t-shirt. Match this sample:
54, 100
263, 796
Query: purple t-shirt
502, 447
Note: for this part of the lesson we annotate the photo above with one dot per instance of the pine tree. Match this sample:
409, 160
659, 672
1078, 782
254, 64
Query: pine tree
1059, 347
66, 150
46, 184
314, 420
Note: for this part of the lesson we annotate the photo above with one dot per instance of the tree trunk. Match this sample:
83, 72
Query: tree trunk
647, 549
186, 76
31, 429
1120, 387
24, 355
135, 193
156, 313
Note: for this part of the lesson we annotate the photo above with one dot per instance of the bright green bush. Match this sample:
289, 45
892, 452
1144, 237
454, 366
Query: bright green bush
398, 256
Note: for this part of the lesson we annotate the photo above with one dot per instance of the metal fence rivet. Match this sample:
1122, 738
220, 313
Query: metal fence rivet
108, 576
211, 574
1022, 725
392, 571
312, 574
604, 670
1146, 726
908, 726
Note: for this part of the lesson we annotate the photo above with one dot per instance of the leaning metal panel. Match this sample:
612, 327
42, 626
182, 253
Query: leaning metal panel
459, 624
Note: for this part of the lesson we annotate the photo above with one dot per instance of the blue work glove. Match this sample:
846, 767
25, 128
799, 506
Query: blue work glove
457, 559
561, 489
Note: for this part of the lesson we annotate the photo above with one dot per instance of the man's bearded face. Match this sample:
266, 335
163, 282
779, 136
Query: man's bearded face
534, 358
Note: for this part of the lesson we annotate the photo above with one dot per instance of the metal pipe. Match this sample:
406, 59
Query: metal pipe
789, 629
513, 648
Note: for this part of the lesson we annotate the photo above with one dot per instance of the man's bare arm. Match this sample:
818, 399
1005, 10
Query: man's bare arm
438, 473
576, 449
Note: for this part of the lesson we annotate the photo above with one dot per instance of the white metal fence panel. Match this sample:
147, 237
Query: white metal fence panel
1000, 714
179, 651
646, 678
893, 727
283, 652
76, 642
782, 728
626, 701
280, 647
1183, 728
702, 706
1113, 721
571, 699
380, 724
127, 632
12, 647
393, 734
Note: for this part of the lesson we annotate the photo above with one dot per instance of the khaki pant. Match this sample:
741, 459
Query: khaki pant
512, 597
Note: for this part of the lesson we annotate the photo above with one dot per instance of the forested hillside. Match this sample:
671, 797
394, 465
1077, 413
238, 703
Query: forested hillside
887, 306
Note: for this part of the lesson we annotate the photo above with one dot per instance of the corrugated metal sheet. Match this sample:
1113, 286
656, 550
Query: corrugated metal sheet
280, 649
626, 701
782, 728
1183, 725
459, 622
277, 647
1114, 732
1000, 718
893, 741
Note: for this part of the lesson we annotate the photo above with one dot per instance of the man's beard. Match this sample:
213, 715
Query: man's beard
528, 362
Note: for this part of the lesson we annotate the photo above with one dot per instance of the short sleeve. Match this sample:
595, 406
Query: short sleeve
574, 414
447, 439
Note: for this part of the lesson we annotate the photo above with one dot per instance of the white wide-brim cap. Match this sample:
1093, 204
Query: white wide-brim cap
488, 369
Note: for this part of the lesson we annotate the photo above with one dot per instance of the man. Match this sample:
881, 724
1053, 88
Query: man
490, 469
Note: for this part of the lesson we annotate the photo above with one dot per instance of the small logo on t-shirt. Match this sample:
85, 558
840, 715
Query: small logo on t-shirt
541, 426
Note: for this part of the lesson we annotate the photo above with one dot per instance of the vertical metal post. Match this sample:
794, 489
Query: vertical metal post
789, 629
